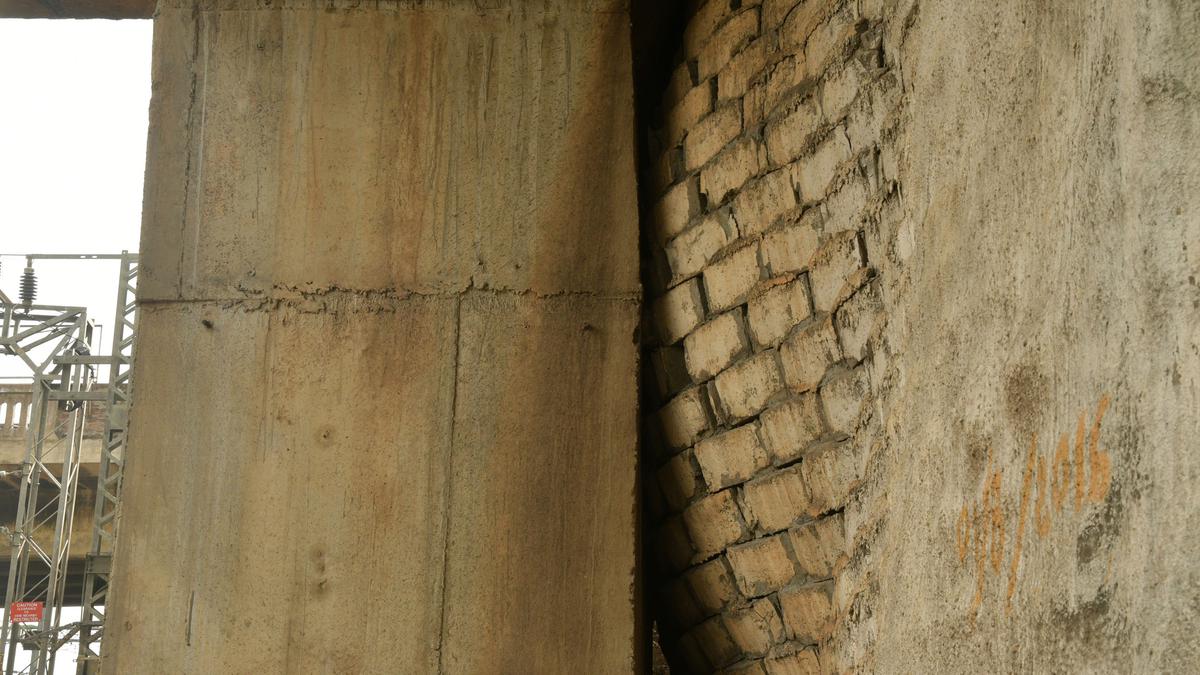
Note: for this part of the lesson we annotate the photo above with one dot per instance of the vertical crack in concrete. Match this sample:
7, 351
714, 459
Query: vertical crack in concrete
447, 477
199, 187
187, 166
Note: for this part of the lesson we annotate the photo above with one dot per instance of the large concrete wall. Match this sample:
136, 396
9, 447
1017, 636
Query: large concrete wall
1046, 369
385, 411
927, 346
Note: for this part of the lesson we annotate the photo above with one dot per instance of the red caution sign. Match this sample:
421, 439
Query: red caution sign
26, 612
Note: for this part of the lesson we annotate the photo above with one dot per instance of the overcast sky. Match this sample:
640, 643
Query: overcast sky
74, 97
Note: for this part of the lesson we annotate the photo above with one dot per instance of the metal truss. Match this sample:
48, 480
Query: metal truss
50, 472
109, 477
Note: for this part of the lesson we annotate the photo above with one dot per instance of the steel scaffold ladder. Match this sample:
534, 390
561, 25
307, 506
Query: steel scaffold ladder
98, 564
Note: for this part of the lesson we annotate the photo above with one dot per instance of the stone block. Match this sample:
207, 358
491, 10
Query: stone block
789, 248
761, 566
678, 86
709, 135
677, 480
729, 280
656, 274
872, 113
762, 202
714, 523
815, 173
803, 662
829, 39
808, 611
697, 103
747, 668
675, 209
801, 21
818, 545
775, 11
737, 163
830, 473
843, 397
790, 136
755, 629
807, 353
712, 585
727, 41
719, 649
735, 78
857, 319
661, 172
688, 253
778, 87
788, 429
731, 457
702, 24
713, 346
834, 263
670, 370
679, 311
714, 404
844, 208
840, 90
685, 418
774, 502
772, 313
746, 387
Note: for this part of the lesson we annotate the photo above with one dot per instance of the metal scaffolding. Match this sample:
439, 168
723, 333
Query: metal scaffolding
63, 373
108, 478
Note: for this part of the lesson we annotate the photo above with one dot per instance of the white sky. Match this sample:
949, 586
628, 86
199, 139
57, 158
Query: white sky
74, 97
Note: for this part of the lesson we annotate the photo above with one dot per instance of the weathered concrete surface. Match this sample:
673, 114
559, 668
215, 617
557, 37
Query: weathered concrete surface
275, 507
76, 9
545, 552
979, 453
492, 113
1041, 286
385, 410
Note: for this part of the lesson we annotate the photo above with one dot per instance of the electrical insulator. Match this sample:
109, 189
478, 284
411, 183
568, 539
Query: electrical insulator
28, 287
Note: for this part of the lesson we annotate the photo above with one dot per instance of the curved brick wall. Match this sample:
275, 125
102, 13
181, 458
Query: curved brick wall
770, 175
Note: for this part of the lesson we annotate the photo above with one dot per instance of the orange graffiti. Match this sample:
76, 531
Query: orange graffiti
962, 534
1041, 510
1079, 464
1062, 473
1101, 463
1016, 559
980, 550
980, 529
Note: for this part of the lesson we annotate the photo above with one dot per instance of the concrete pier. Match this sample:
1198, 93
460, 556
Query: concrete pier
385, 407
